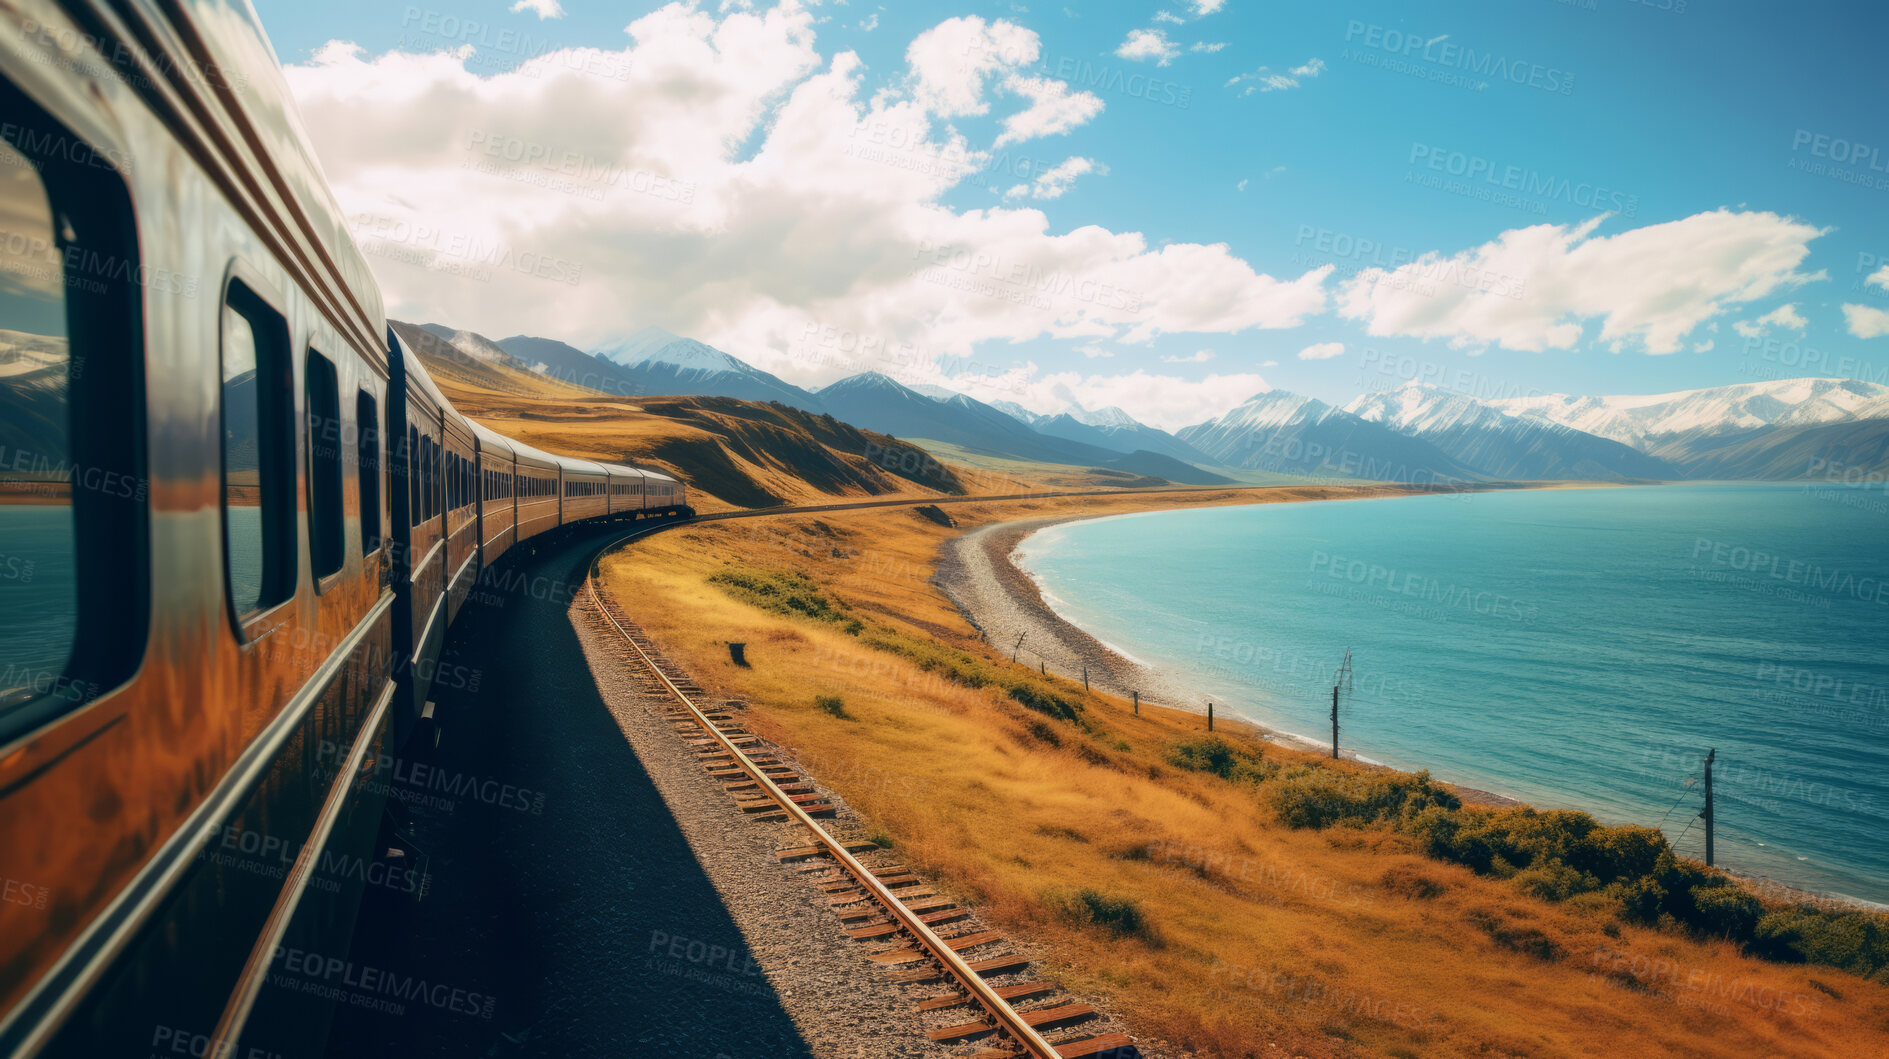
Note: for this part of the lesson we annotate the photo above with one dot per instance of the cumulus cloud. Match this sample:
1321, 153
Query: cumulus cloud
1782, 316
719, 176
1880, 277
1144, 44
1265, 80
951, 62
1051, 183
1535, 288
1866, 321
1322, 351
1053, 109
1200, 357
542, 8
1207, 7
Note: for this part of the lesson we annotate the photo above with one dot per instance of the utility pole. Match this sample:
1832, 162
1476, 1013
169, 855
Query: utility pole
1341, 680
1210, 717
1707, 814
1137, 703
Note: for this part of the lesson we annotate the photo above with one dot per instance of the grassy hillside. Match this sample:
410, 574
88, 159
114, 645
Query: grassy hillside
732, 453
1227, 895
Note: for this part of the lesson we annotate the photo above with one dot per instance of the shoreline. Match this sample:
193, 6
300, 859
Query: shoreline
978, 572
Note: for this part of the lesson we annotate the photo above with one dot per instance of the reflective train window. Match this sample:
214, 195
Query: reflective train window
258, 454
74, 498
367, 466
39, 603
326, 526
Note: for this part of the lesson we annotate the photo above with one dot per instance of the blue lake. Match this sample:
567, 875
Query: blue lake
1572, 648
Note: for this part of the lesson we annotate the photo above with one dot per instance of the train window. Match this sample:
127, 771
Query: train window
74, 557
321, 392
367, 467
258, 454
413, 475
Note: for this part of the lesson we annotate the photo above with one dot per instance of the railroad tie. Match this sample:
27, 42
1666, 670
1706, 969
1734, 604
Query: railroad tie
947, 1001
1062, 1015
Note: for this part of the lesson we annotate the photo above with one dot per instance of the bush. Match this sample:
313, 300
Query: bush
832, 704
1552, 880
1318, 797
1120, 916
1046, 702
1221, 758
778, 591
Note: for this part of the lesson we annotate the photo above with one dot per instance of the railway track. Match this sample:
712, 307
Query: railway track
885, 907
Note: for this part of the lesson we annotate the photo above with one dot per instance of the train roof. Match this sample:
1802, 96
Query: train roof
492, 440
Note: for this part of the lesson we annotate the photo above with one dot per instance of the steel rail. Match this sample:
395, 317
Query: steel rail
1009, 1021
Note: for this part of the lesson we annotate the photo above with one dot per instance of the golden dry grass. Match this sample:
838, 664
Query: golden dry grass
1260, 940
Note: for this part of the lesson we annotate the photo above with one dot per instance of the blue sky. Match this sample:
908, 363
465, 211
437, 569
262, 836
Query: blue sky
1300, 135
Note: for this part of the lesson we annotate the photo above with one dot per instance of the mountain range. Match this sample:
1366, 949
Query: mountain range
1771, 430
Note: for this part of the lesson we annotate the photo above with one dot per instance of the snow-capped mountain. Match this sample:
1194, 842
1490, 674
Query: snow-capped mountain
1112, 428
665, 363
1288, 433
1017, 412
1642, 420
877, 402
548, 356
1500, 445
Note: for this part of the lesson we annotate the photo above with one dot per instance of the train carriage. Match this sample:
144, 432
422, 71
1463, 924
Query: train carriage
583, 490
257, 516
497, 470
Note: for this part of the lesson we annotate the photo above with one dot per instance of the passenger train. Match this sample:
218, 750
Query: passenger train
236, 521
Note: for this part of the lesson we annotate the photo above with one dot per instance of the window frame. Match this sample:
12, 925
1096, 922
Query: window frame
367, 468
105, 419
326, 516
247, 284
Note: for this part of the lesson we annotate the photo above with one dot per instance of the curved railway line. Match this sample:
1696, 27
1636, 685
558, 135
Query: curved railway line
888, 903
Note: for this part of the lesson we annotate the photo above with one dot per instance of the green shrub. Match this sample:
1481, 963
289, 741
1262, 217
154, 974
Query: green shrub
1216, 755
1552, 880
1120, 916
778, 591
1045, 702
832, 704
1317, 797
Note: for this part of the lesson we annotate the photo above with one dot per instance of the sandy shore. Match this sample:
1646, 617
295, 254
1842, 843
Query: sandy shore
979, 574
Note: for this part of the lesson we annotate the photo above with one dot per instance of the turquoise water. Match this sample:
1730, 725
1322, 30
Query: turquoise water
1572, 648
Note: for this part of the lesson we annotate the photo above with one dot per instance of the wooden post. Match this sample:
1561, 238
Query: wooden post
1707, 815
1085, 678
1210, 717
1137, 703
1042, 667
1018, 644
1334, 722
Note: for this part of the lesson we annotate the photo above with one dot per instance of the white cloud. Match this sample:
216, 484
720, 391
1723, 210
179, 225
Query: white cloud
718, 176
1203, 8
1241, 186
1534, 288
1199, 357
1060, 178
1143, 44
1169, 17
542, 8
1201, 45
1322, 351
1093, 351
1264, 80
1880, 277
1053, 109
1705, 346
1269, 364
1866, 321
870, 22
1782, 316
951, 61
